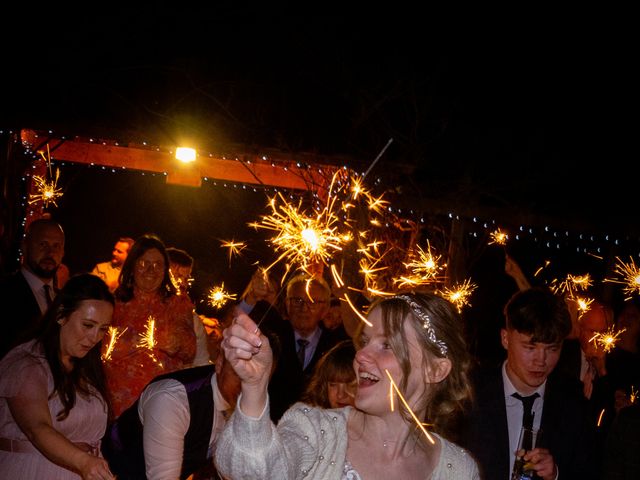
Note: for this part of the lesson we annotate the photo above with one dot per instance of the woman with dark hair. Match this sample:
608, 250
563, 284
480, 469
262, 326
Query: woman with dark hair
155, 324
53, 408
411, 364
333, 384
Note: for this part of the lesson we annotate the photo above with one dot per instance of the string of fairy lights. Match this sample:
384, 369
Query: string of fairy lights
549, 237
390, 250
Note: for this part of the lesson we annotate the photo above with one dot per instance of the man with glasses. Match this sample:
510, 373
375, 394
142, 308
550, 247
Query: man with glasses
303, 338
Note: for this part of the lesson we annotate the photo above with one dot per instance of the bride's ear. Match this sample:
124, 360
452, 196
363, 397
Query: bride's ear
438, 370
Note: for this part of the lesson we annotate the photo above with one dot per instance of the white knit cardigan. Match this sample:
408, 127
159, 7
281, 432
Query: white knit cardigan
309, 443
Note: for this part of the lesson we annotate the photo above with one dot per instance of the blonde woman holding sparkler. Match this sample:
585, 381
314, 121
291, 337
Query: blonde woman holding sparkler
411, 366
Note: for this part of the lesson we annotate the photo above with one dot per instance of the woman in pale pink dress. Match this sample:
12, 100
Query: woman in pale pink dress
53, 409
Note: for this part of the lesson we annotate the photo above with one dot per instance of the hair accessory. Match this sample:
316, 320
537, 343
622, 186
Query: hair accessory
419, 312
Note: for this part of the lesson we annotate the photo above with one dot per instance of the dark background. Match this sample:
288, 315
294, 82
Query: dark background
512, 119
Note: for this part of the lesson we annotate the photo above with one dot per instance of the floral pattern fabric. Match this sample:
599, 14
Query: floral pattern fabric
133, 362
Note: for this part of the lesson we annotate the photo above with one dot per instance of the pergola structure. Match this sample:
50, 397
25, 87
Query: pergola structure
269, 167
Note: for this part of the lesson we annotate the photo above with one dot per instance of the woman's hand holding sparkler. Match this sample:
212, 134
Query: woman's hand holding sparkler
250, 355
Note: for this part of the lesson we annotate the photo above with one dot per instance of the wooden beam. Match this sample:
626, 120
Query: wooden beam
277, 170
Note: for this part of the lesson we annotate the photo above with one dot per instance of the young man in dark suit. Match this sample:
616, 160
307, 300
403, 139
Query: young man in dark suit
536, 324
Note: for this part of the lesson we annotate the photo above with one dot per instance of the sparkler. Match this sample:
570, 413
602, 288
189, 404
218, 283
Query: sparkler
459, 294
572, 284
357, 188
336, 277
234, 247
114, 334
377, 204
148, 339
356, 311
218, 297
630, 276
539, 270
370, 272
583, 304
498, 237
633, 396
600, 417
424, 269
303, 240
180, 284
47, 190
606, 340
375, 160
406, 405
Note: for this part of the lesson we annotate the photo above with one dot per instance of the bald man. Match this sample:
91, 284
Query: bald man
26, 294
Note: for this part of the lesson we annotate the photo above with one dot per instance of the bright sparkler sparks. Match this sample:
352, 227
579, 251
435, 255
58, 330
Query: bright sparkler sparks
498, 237
633, 396
47, 190
148, 339
377, 204
356, 311
234, 247
459, 294
370, 272
539, 270
404, 402
630, 276
424, 269
336, 277
357, 188
583, 304
114, 334
218, 297
303, 240
599, 422
573, 284
178, 283
606, 340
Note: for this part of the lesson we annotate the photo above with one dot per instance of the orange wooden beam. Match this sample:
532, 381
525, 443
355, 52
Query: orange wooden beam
277, 170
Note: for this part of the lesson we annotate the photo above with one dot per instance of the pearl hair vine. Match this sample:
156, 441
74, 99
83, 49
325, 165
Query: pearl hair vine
419, 312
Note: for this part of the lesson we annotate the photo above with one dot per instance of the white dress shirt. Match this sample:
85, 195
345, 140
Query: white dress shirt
164, 413
202, 350
37, 285
515, 411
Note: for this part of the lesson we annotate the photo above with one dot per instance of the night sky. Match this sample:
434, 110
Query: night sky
503, 112
494, 111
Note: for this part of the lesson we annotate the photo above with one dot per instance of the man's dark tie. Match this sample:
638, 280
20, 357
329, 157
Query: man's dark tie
302, 349
527, 417
47, 294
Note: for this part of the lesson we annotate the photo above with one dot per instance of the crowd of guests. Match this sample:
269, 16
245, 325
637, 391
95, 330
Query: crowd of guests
114, 375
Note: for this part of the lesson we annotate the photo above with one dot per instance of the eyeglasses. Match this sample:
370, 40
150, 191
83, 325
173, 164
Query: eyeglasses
143, 265
298, 302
